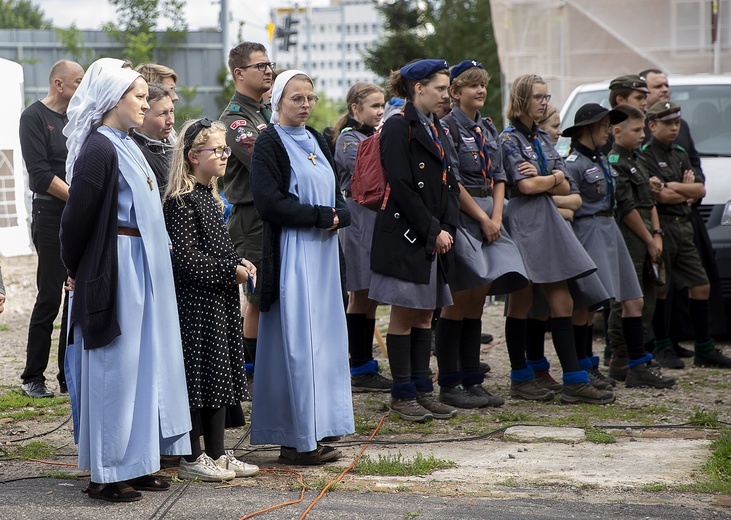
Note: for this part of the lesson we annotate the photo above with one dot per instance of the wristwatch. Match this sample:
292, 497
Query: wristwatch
658, 231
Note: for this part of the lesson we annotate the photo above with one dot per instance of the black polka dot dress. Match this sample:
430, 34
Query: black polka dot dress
204, 266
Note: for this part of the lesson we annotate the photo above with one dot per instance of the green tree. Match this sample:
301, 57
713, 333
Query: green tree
185, 108
405, 24
22, 14
73, 41
325, 113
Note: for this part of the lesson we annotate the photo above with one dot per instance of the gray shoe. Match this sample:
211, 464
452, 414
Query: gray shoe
373, 382
437, 409
458, 397
642, 375
530, 390
667, 358
585, 393
409, 410
36, 389
479, 390
595, 372
546, 380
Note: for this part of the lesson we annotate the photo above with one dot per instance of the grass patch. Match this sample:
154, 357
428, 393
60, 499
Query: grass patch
655, 487
398, 465
598, 436
705, 419
34, 450
62, 475
4, 328
19, 406
718, 467
512, 416
319, 483
508, 482
584, 415
412, 514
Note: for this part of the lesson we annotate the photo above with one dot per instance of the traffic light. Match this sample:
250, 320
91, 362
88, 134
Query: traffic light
270, 31
286, 33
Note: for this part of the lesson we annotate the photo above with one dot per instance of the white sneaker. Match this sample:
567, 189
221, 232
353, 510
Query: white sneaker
242, 469
204, 469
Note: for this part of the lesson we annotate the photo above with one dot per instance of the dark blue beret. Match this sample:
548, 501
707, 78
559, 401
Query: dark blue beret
463, 66
422, 69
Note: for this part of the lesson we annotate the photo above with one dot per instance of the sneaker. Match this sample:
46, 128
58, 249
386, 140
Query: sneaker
479, 390
373, 382
36, 389
205, 469
667, 358
458, 397
409, 410
530, 390
437, 409
643, 375
321, 455
242, 469
601, 377
682, 352
618, 363
585, 393
712, 359
544, 379
484, 368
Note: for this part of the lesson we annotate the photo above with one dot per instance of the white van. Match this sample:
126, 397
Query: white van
706, 106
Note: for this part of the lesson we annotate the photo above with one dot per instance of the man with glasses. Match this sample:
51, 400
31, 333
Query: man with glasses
245, 117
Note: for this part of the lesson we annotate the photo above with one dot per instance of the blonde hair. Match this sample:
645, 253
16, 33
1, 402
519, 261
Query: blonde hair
356, 95
156, 73
550, 111
520, 95
181, 179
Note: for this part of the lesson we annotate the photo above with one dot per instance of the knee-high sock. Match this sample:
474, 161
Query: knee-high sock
699, 316
356, 325
535, 339
399, 357
515, 335
562, 332
448, 339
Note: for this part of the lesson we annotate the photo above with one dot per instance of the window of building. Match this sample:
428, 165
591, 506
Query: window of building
356, 28
347, 28
347, 47
357, 65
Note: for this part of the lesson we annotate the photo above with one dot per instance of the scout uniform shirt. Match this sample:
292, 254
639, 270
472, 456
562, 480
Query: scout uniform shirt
633, 185
595, 179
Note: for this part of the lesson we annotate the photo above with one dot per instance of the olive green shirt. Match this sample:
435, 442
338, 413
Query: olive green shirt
633, 184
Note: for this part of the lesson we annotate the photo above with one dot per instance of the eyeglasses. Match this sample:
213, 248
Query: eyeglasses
300, 100
261, 67
218, 152
542, 98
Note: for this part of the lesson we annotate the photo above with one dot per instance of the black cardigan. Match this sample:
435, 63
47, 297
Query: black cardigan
270, 178
89, 240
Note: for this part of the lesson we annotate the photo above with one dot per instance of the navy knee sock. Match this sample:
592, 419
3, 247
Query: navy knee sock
515, 335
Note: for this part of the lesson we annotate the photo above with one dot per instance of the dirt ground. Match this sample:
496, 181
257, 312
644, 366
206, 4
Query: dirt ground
647, 424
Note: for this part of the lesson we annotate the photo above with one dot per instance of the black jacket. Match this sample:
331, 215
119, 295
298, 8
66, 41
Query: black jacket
420, 205
270, 177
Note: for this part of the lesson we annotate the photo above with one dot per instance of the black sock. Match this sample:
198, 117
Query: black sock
195, 436
589, 341
699, 317
448, 337
399, 357
515, 335
213, 423
368, 334
660, 324
633, 336
250, 348
535, 340
579, 340
469, 346
420, 352
356, 324
562, 332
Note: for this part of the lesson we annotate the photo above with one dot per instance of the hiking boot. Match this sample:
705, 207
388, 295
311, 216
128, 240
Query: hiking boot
618, 363
585, 393
458, 397
242, 469
667, 358
643, 375
682, 352
204, 468
373, 382
484, 368
598, 383
481, 391
486, 338
409, 410
437, 409
715, 358
530, 390
546, 380
601, 377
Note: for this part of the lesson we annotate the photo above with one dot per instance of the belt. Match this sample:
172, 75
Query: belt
347, 193
485, 191
673, 219
128, 231
40, 196
605, 213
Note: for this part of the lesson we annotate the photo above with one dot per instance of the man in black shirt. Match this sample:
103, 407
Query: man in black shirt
44, 152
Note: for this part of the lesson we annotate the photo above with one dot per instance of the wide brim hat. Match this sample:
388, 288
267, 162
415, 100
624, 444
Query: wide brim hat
591, 113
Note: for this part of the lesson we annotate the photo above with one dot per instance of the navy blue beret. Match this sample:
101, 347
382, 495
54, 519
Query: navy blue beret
422, 69
463, 66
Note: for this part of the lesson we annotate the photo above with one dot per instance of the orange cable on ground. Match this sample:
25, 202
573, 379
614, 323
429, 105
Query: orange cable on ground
283, 504
53, 463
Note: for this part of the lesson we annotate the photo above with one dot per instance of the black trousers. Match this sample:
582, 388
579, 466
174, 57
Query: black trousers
50, 279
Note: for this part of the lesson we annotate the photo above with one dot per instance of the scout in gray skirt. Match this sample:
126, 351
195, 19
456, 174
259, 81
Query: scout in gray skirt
536, 172
486, 260
598, 232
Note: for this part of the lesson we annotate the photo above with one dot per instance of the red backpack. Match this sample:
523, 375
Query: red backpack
369, 185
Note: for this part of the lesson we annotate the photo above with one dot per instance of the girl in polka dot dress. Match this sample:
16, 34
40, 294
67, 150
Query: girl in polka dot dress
207, 272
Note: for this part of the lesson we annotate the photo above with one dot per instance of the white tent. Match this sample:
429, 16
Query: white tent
14, 230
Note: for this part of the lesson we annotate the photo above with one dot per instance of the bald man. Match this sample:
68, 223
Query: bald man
44, 152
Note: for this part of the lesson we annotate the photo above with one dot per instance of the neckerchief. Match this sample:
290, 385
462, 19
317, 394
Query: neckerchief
438, 144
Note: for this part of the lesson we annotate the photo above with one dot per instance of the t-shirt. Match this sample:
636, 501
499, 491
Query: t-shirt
43, 145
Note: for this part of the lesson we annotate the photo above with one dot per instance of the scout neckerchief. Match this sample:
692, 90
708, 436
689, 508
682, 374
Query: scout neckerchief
440, 148
485, 161
542, 162
608, 176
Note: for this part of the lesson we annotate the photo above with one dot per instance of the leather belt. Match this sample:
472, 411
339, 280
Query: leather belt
485, 191
128, 231
605, 213
673, 219
40, 196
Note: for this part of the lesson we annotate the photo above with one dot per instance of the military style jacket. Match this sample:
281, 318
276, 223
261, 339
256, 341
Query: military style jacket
633, 181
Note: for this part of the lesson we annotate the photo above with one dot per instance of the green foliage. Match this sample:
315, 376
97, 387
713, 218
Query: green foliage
325, 113
718, 466
598, 436
229, 89
397, 465
22, 14
704, 418
186, 109
35, 450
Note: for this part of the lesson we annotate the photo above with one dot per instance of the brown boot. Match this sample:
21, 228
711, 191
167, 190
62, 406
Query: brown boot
618, 363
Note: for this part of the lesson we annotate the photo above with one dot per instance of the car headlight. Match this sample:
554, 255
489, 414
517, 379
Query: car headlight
726, 216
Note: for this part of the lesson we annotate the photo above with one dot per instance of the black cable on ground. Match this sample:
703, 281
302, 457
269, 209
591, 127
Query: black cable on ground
41, 434
169, 502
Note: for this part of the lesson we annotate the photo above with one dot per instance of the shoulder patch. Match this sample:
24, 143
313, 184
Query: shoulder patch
237, 123
346, 129
261, 127
645, 146
681, 148
613, 158
572, 158
234, 108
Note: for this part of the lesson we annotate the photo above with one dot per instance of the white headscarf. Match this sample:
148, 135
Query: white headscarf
278, 89
102, 95
75, 112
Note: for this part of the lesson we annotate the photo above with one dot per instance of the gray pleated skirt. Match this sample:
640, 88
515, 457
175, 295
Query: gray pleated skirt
395, 291
356, 243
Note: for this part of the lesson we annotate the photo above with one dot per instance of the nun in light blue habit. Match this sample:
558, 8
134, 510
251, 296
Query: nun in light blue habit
127, 375
302, 384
